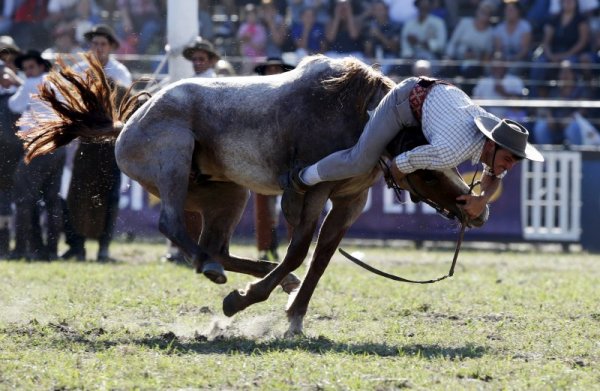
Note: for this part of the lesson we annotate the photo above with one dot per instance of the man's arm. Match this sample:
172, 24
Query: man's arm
475, 204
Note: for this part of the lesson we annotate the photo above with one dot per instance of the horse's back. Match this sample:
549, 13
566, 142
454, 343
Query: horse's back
248, 129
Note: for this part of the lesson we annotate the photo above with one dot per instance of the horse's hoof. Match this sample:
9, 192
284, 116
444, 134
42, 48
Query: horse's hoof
233, 303
292, 333
290, 283
214, 271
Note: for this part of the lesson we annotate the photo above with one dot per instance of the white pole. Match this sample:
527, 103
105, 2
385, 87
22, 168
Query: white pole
182, 28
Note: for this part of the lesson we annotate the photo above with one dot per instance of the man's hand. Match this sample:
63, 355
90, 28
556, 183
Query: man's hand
396, 173
474, 205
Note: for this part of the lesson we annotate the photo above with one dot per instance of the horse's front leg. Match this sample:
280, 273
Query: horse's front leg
296, 252
344, 212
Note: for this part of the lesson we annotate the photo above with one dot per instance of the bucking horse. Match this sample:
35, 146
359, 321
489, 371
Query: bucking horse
202, 144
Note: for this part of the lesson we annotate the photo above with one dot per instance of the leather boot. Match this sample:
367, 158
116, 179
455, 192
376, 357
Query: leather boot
292, 201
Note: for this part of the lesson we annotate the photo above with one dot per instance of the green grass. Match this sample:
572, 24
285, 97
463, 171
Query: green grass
506, 320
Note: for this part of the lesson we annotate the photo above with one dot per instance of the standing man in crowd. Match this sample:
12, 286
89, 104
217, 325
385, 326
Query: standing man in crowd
266, 215
93, 198
11, 148
38, 180
203, 56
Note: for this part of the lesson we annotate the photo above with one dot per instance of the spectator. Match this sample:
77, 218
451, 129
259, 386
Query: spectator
401, 11
277, 30
472, 41
11, 148
423, 37
512, 36
320, 7
6, 16
29, 27
586, 7
103, 42
566, 37
559, 125
382, 40
253, 38
203, 57
64, 42
223, 68
266, 216
343, 32
38, 180
143, 19
93, 198
500, 84
61, 12
205, 23
308, 35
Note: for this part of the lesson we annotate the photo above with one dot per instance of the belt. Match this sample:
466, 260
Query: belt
417, 95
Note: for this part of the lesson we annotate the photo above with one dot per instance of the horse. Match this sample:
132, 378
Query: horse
202, 144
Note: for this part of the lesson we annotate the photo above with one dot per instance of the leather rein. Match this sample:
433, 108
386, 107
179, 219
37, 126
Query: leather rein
391, 183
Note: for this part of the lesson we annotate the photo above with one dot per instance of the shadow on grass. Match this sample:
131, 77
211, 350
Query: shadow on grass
320, 345
98, 339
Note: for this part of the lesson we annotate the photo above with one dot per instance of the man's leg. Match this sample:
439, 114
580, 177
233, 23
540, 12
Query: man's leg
391, 115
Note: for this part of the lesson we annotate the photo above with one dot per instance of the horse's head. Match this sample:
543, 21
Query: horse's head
440, 189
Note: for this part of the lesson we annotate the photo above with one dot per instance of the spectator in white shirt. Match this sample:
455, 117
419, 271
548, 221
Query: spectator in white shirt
103, 42
203, 56
38, 180
423, 37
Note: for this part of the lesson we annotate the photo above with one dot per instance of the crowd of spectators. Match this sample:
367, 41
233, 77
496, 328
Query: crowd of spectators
463, 40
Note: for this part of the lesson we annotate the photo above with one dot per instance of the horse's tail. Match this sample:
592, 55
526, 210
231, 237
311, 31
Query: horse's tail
85, 106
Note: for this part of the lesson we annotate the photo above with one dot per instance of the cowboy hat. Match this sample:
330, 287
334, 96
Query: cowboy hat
8, 45
200, 44
510, 135
261, 68
32, 55
105, 31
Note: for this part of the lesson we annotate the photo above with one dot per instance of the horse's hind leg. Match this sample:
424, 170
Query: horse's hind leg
296, 252
162, 164
222, 205
337, 222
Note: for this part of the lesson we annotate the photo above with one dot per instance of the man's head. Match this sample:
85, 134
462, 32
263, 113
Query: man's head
273, 66
202, 54
103, 41
32, 63
9, 51
506, 144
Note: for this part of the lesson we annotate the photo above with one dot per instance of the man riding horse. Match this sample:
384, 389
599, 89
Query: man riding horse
455, 128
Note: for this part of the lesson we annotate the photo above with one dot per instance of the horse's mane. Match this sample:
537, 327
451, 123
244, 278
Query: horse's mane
358, 82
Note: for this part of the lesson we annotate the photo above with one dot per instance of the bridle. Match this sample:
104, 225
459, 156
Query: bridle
392, 184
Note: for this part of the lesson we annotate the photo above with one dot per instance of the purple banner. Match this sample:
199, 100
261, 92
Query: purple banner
383, 218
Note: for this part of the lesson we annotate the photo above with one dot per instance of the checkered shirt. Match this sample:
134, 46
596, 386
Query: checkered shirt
449, 125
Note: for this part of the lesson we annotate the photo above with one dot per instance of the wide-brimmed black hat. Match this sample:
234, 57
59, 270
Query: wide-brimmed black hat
510, 135
261, 68
105, 31
200, 44
32, 55
8, 45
